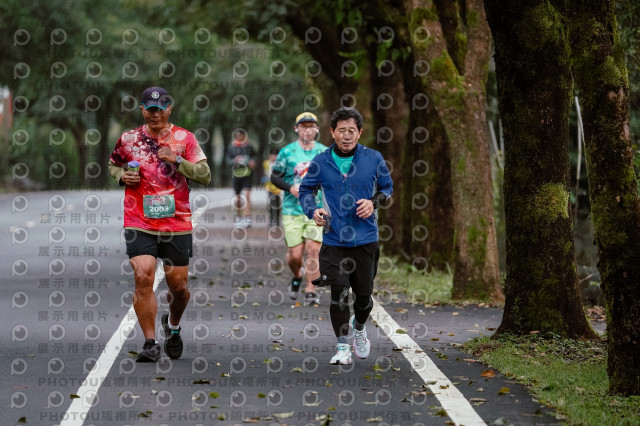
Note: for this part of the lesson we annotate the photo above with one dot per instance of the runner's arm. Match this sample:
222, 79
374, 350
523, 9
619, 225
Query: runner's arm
378, 198
116, 172
309, 189
197, 172
277, 178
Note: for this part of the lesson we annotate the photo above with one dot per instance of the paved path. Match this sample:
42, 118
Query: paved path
251, 354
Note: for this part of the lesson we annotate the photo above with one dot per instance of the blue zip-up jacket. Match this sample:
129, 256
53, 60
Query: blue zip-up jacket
367, 176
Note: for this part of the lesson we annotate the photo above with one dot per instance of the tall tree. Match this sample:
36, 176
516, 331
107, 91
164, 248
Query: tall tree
454, 39
449, 94
601, 78
535, 91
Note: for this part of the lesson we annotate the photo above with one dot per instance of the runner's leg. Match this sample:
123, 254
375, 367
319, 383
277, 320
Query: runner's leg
294, 259
311, 265
179, 295
339, 311
144, 301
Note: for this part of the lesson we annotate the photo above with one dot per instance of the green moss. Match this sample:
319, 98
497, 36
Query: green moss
443, 68
550, 203
420, 14
609, 72
542, 25
461, 165
476, 290
478, 243
469, 145
461, 51
547, 320
472, 18
452, 93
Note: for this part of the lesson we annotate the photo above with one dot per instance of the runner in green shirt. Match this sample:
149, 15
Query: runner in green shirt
302, 235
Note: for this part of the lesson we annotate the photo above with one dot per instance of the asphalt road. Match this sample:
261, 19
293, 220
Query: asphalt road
251, 354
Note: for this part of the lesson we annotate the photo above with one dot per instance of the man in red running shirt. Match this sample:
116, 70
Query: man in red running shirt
157, 214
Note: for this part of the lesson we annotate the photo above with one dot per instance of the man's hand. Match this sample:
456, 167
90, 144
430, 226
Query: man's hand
294, 190
365, 209
130, 178
166, 154
319, 217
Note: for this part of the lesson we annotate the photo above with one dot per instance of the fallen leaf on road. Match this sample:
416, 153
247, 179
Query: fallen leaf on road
488, 373
503, 391
283, 415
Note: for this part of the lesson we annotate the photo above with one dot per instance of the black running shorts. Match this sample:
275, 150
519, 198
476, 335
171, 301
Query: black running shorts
354, 267
172, 249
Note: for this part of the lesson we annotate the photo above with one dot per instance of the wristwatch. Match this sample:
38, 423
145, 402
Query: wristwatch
178, 160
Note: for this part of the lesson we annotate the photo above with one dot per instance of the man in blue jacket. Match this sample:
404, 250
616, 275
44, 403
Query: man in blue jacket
354, 180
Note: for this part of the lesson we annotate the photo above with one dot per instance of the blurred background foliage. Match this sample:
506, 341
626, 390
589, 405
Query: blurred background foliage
75, 71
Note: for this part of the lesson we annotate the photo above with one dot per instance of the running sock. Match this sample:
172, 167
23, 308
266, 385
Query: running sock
171, 326
342, 339
358, 326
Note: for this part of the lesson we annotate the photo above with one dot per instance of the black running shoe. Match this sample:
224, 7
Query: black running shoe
150, 352
294, 289
173, 341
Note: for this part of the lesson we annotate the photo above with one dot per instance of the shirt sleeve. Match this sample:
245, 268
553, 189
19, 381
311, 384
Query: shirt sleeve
385, 183
280, 165
118, 156
192, 151
309, 189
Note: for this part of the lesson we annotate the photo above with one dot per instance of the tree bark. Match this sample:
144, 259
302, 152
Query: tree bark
458, 95
534, 92
389, 110
429, 232
601, 77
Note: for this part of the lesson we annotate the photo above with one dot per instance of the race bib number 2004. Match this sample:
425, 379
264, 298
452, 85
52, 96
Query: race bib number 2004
159, 206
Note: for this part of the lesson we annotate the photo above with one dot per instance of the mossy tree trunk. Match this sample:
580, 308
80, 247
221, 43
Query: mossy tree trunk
420, 217
431, 231
534, 92
389, 110
456, 87
601, 78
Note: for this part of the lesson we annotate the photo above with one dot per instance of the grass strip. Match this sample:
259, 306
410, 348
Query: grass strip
567, 375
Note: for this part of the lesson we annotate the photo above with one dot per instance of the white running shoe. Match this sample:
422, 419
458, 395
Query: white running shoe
343, 356
361, 345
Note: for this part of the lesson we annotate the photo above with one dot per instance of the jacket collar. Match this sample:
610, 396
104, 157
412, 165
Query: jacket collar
359, 147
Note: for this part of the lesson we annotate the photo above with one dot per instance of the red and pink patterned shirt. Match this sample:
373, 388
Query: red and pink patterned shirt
157, 177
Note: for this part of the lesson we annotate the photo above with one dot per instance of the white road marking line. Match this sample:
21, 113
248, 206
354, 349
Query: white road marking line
88, 391
453, 402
